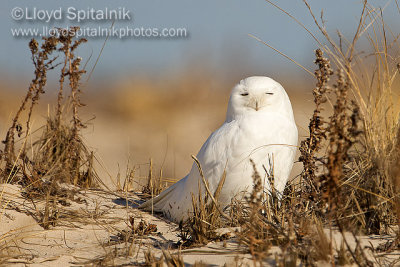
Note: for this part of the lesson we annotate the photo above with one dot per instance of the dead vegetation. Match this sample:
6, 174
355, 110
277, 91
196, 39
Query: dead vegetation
350, 182
350, 178
43, 160
155, 185
206, 218
58, 154
346, 184
171, 260
141, 229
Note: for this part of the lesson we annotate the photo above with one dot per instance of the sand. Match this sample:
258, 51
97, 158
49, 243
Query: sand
88, 228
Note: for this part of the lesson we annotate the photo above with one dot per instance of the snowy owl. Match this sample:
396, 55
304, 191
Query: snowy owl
259, 126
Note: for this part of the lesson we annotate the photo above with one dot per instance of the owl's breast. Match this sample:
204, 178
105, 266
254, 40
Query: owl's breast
259, 138
264, 131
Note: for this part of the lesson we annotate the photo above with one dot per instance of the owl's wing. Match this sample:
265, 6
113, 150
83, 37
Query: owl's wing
176, 201
283, 155
160, 202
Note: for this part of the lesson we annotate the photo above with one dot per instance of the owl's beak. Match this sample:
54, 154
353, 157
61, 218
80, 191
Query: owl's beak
255, 104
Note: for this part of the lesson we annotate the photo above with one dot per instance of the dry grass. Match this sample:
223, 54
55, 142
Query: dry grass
396, 181
351, 157
362, 131
141, 229
359, 162
200, 228
59, 154
350, 179
155, 185
42, 160
171, 260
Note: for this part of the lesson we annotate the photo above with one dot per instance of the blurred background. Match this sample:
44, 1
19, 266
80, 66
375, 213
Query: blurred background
160, 97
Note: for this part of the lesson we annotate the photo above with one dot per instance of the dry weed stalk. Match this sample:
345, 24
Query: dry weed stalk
311, 146
322, 176
361, 133
43, 61
351, 180
59, 155
266, 224
368, 189
342, 131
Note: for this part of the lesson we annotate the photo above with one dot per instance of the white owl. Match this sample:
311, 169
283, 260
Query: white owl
259, 126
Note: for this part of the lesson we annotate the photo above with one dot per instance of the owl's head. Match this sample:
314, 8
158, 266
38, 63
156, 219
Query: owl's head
258, 94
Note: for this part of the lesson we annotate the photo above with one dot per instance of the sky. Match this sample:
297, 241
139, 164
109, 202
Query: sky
217, 33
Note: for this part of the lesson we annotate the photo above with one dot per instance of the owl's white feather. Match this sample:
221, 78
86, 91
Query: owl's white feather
259, 126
